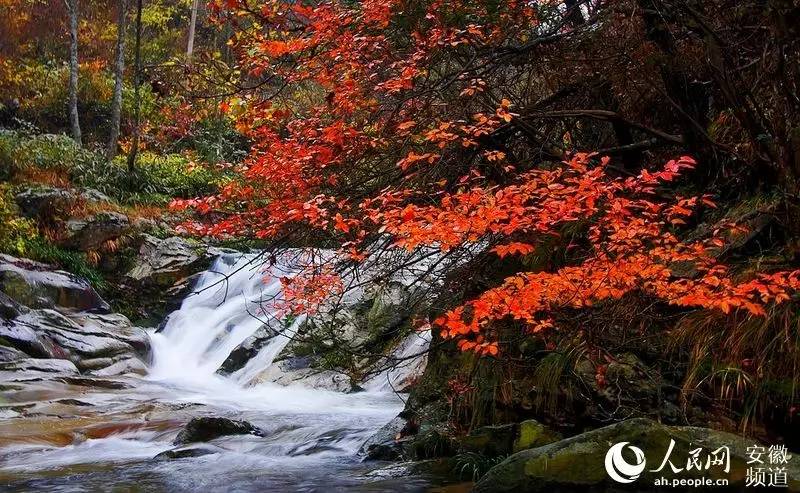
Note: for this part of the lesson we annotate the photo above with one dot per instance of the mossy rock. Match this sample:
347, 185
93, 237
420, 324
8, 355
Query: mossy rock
578, 463
532, 434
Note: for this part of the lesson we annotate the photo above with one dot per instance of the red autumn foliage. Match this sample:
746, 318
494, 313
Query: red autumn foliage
369, 155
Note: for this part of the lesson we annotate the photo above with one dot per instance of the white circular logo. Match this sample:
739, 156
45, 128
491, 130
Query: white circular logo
619, 469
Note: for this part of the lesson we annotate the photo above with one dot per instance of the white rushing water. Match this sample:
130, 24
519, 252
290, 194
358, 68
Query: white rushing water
312, 436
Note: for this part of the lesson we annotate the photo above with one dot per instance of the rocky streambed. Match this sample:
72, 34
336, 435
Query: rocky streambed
90, 402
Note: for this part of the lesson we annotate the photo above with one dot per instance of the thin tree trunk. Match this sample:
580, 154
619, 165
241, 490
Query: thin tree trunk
74, 123
119, 72
137, 80
192, 24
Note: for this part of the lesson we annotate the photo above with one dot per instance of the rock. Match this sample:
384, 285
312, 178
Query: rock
37, 285
118, 326
578, 463
491, 441
9, 308
88, 340
532, 434
499, 440
22, 336
91, 232
245, 351
209, 428
186, 452
122, 367
80, 342
387, 443
43, 202
163, 262
92, 195
8, 354
40, 365
295, 371
94, 364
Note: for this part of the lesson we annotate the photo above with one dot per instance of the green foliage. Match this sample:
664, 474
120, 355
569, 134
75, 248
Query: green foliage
215, 140
41, 249
155, 180
15, 231
19, 237
47, 151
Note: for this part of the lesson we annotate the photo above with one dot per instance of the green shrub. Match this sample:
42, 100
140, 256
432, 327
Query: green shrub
15, 231
46, 151
155, 180
215, 140
43, 250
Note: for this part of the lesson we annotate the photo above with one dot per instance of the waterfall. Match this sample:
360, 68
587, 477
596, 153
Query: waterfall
404, 365
234, 299
229, 303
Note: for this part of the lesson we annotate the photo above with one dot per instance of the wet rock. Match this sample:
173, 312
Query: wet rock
22, 336
91, 341
117, 326
38, 285
102, 383
208, 428
91, 232
391, 442
577, 463
94, 364
40, 365
387, 443
247, 350
78, 341
286, 372
122, 367
9, 308
187, 452
10, 354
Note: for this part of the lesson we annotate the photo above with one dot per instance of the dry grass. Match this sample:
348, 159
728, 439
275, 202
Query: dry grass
749, 364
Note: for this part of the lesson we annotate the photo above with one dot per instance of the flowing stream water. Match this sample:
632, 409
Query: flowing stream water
104, 435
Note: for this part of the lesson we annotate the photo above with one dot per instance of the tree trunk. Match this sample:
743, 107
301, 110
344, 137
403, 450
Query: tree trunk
137, 81
192, 24
119, 68
74, 123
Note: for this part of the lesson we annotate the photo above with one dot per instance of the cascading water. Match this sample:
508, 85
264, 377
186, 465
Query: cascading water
311, 438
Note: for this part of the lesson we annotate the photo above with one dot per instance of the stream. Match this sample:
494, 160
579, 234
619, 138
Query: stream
83, 434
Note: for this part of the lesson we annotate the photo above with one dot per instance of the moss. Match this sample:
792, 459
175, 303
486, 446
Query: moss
533, 434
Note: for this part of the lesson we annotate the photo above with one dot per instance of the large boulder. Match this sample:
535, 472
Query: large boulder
579, 463
297, 371
208, 428
42, 202
103, 344
91, 232
163, 262
38, 285
497, 440
247, 350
